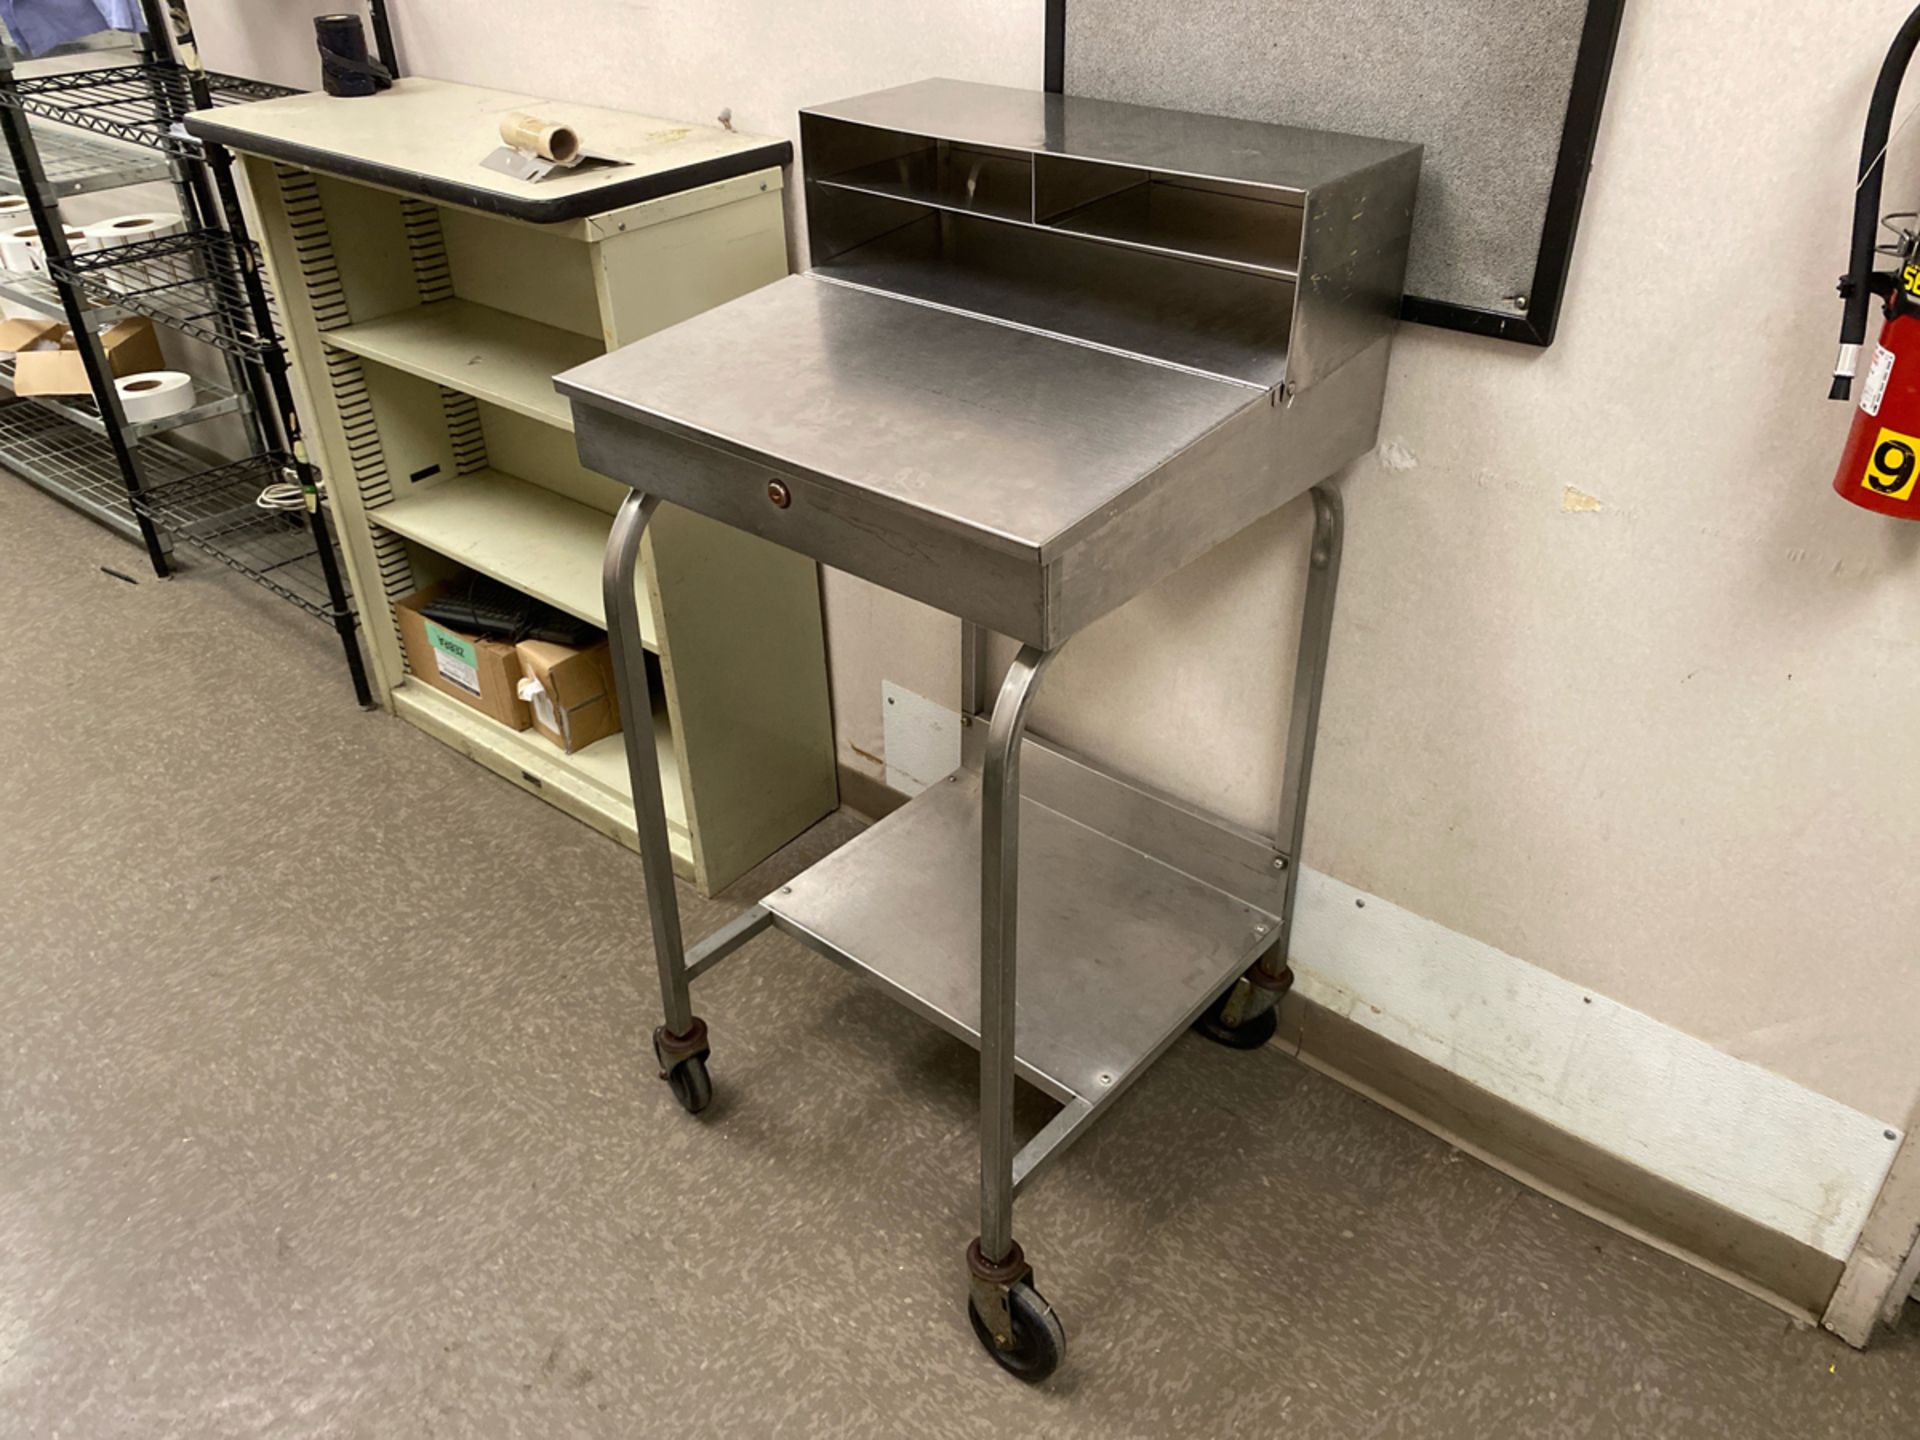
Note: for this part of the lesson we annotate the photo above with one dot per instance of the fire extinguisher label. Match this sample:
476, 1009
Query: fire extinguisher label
1877, 378
1894, 466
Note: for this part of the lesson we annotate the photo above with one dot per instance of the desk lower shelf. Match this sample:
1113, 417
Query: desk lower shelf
1118, 952
592, 784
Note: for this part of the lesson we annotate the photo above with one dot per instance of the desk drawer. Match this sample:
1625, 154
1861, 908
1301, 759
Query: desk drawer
899, 549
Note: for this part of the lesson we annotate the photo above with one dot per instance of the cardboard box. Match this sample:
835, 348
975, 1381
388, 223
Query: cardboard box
472, 669
571, 691
41, 368
30, 332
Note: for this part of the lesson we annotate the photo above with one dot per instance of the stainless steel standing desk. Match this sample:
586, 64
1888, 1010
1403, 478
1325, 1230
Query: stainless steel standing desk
1051, 350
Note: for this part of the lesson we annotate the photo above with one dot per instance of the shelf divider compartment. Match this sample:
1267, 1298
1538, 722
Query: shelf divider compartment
1249, 227
944, 174
1231, 323
952, 221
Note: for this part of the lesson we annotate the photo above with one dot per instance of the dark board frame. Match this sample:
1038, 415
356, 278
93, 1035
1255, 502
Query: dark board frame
1537, 324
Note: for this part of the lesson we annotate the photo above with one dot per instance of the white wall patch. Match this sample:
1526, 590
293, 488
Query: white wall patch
1396, 457
1741, 1136
921, 739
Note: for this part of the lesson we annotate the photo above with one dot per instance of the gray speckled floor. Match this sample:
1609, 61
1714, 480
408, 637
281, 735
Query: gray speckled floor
324, 1111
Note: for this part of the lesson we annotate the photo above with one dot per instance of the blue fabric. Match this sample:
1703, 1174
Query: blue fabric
39, 25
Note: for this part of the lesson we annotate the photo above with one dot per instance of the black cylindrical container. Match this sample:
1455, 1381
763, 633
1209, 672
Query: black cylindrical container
344, 66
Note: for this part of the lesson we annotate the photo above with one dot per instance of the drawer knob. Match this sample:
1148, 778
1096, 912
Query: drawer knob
778, 493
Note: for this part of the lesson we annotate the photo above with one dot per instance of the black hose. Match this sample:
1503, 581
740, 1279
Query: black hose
1866, 203
383, 36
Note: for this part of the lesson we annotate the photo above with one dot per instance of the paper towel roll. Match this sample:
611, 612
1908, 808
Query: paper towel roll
11, 205
125, 229
153, 394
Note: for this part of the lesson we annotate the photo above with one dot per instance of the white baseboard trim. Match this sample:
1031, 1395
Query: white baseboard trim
1742, 1138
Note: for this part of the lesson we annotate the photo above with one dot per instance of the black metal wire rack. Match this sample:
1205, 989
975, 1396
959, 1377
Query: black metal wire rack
76, 164
57, 453
192, 283
140, 104
217, 511
118, 125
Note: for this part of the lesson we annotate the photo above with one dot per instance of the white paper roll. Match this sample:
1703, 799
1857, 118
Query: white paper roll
152, 394
19, 248
22, 252
11, 205
125, 229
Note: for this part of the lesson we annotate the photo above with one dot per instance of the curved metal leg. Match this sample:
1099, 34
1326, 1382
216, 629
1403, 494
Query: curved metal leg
999, 910
1242, 1018
1309, 683
635, 693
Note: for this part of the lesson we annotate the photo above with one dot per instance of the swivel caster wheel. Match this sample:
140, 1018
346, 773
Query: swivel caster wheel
683, 1065
1248, 1034
1039, 1340
691, 1085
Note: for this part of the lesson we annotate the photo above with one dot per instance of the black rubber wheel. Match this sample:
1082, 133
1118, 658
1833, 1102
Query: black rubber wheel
691, 1085
1039, 1340
1250, 1036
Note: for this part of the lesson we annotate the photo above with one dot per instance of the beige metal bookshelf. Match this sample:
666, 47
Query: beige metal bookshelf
426, 327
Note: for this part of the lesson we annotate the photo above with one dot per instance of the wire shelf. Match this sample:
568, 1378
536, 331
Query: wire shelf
141, 104
210, 399
76, 164
35, 292
214, 511
53, 453
191, 282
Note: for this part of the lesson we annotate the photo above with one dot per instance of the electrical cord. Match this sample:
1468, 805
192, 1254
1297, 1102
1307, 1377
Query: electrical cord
285, 495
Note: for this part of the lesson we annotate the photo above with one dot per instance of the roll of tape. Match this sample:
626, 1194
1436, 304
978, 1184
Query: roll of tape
546, 138
154, 394
125, 229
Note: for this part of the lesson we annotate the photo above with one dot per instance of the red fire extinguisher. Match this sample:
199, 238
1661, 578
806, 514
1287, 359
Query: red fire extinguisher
1880, 468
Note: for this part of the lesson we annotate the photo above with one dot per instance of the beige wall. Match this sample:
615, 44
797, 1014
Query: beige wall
1667, 748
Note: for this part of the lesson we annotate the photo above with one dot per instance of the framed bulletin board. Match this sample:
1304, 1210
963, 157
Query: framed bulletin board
1506, 96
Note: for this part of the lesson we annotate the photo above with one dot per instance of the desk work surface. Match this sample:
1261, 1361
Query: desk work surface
428, 137
1015, 479
1012, 437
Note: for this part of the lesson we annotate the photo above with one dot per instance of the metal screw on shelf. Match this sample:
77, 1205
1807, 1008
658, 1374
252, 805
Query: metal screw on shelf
1279, 862
1105, 1078
779, 494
